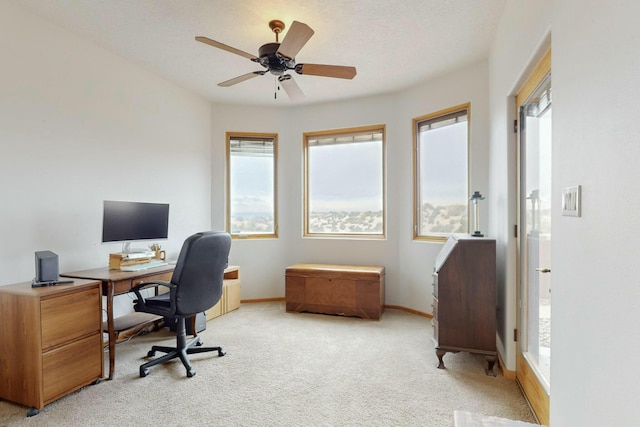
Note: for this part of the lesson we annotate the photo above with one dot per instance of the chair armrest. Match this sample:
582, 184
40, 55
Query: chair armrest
154, 284
151, 284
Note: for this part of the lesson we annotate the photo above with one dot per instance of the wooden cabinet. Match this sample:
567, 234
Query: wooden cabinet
50, 341
230, 299
349, 290
464, 298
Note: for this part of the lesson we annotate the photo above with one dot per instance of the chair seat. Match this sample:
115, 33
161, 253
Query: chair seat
161, 300
159, 304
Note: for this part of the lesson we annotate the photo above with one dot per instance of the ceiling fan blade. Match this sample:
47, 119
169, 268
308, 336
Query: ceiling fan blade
241, 78
291, 87
337, 71
297, 36
223, 46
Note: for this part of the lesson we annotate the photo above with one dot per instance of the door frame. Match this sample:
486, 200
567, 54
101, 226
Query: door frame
534, 392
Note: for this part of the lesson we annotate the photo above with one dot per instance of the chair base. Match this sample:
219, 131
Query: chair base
180, 351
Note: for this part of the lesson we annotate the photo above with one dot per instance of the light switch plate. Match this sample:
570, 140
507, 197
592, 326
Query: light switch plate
571, 201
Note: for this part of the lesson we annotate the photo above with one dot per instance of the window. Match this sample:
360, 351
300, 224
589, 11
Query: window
344, 183
441, 196
251, 185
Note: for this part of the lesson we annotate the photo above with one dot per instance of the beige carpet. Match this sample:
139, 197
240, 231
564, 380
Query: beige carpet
294, 370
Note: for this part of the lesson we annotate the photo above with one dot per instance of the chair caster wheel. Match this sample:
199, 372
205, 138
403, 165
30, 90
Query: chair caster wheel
221, 353
191, 372
151, 353
144, 372
32, 412
199, 343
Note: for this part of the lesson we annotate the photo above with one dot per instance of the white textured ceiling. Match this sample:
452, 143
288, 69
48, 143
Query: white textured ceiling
393, 44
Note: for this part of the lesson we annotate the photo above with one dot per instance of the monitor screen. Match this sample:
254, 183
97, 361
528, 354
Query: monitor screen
128, 221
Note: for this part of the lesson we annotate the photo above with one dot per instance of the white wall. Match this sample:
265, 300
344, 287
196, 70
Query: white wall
595, 279
408, 264
521, 38
79, 125
596, 294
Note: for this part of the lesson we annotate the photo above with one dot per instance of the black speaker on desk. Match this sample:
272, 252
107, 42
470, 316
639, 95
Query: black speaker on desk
46, 266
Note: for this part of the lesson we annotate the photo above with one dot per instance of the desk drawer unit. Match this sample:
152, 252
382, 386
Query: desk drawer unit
51, 341
347, 290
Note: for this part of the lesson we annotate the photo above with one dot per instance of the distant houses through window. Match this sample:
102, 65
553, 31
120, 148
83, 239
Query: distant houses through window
251, 185
344, 182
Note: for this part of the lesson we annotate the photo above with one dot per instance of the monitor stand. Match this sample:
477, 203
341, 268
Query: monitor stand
127, 249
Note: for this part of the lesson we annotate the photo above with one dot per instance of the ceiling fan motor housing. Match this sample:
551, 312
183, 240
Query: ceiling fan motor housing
276, 65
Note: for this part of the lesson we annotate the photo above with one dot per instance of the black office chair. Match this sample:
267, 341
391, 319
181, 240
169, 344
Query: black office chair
195, 286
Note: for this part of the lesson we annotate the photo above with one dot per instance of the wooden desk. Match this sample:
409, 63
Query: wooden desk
50, 341
117, 282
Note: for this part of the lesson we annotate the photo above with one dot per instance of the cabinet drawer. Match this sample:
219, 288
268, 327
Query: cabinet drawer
72, 366
67, 317
124, 286
434, 283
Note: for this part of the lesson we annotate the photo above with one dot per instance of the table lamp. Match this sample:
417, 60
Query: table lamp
475, 197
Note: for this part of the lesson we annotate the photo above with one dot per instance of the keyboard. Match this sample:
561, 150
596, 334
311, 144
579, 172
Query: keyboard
138, 267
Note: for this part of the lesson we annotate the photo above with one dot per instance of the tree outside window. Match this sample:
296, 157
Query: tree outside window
441, 195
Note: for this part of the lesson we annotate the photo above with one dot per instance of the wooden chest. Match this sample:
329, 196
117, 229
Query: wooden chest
348, 290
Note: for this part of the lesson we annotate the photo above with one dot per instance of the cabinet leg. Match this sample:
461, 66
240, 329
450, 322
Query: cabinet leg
440, 354
111, 330
491, 361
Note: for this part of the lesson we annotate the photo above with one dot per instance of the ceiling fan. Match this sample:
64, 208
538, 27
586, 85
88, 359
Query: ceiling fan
279, 58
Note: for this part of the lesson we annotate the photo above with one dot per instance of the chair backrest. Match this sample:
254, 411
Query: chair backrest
199, 272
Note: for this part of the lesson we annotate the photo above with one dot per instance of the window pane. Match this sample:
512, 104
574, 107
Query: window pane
252, 186
345, 184
442, 175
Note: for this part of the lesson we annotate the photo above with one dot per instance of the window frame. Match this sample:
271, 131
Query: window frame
381, 128
248, 135
417, 121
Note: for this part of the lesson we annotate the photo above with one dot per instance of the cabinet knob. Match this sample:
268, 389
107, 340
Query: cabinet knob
543, 270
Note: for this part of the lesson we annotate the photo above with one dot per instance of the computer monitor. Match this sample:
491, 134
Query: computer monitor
132, 221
